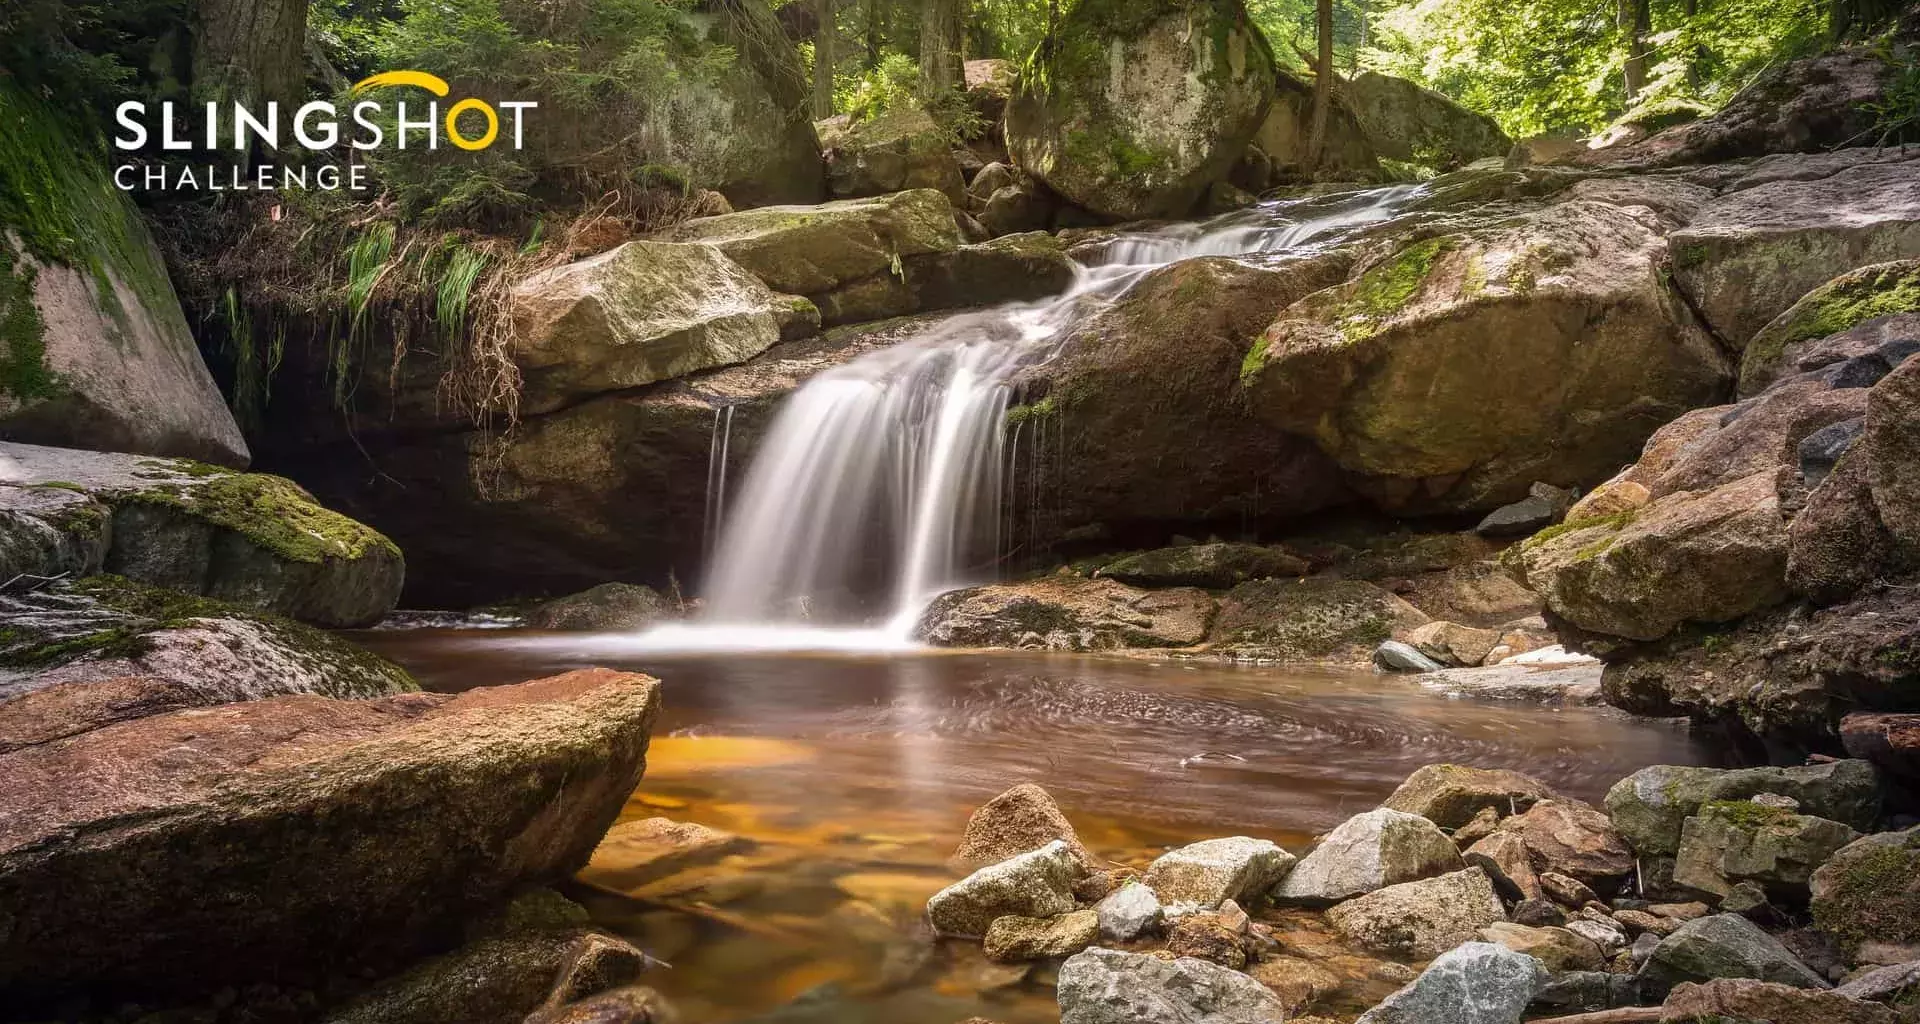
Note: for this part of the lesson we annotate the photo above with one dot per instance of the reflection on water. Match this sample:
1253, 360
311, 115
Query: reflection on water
855, 775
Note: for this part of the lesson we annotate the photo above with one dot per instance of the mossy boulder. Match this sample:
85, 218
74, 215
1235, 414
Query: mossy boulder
94, 349
1885, 295
1455, 370
299, 837
745, 132
258, 541
1311, 619
1347, 153
640, 313
1750, 254
1067, 613
1870, 890
901, 148
1651, 806
1136, 106
609, 606
810, 250
1214, 566
1735, 841
1404, 121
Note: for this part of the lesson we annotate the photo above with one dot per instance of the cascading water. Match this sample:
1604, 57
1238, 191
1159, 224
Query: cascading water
882, 478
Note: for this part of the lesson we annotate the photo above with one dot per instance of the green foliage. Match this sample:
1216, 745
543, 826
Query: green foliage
1896, 118
867, 93
455, 293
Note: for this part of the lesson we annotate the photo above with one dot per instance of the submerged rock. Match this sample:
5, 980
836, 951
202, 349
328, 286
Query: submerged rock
1395, 656
1212, 871
1107, 986
293, 836
1366, 852
1420, 919
1036, 884
1066, 613
1476, 983
257, 541
633, 853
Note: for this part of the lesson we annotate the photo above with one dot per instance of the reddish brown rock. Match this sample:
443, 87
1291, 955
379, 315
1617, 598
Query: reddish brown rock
1021, 819
1890, 741
1573, 839
1747, 999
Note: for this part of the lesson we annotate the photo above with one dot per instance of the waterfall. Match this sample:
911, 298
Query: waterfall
878, 484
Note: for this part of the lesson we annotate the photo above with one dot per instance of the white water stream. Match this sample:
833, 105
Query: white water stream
883, 477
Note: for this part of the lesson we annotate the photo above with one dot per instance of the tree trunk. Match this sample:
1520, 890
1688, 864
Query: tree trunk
824, 39
940, 68
252, 51
1322, 85
875, 25
1636, 23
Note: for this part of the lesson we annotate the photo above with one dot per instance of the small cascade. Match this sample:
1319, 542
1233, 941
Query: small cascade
879, 483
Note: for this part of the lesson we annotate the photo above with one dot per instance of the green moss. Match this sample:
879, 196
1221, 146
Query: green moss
24, 373
273, 512
1254, 361
1691, 256
1616, 521
1030, 411
1747, 815
1874, 897
1837, 306
1384, 290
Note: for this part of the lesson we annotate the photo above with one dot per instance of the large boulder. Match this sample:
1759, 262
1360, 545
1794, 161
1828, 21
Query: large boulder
1475, 983
1405, 121
1347, 153
607, 607
643, 312
1731, 842
1870, 890
298, 836
1460, 369
1109, 986
1874, 305
96, 352
1066, 613
745, 132
1135, 109
258, 541
1311, 619
1723, 946
1366, 852
1862, 523
1650, 808
901, 148
1750, 254
1420, 919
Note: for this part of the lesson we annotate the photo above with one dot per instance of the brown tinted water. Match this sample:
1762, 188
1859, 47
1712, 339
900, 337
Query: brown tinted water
854, 776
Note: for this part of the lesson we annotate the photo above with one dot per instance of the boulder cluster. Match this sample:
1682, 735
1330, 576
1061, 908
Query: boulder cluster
1473, 895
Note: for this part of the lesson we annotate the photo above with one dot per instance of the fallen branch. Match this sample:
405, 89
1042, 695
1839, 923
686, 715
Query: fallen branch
1624, 1015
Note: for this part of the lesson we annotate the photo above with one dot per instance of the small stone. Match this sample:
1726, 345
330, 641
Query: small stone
1395, 656
1776, 801
1214, 870
1012, 939
1640, 922
1681, 911
1884, 983
1604, 934
1022, 818
1568, 892
1034, 884
1130, 912
1576, 840
1538, 913
1642, 949
1476, 983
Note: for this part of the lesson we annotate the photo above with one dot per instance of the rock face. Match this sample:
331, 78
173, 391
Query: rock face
1212, 871
1067, 613
1742, 999
1217, 566
1107, 986
1420, 919
1748, 255
640, 313
1723, 946
1366, 852
1650, 807
368, 825
1348, 153
101, 357
1870, 890
1424, 375
1476, 983
897, 150
1450, 795
258, 541
1404, 121
1038, 884
1144, 106
1311, 619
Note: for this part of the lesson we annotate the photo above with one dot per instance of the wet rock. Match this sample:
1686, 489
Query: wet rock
1136, 118
257, 541
1212, 871
1299, 983
1450, 795
1543, 506
1566, 891
1107, 986
1723, 946
1215, 566
1129, 912
1066, 613
1891, 742
1571, 838
1506, 860
1477, 983
1208, 937
610, 606
1366, 852
1558, 949
1870, 890
1395, 656
898, 149
1311, 619
1012, 268
1404, 121
1020, 205
1651, 806
1746, 999
1453, 644
189, 823
643, 312
1022, 818
1729, 258
1743, 841
1420, 919
634, 853
1038, 883
1014, 939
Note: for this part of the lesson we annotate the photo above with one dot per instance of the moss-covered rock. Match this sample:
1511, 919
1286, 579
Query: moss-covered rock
94, 349
1216, 566
811, 250
1854, 298
1404, 121
1870, 890
1735, 841
1651, 806
51, 531
1066, 613
258, 541
1457, 369
1134, 107
1311, 619
609, 606
901, 148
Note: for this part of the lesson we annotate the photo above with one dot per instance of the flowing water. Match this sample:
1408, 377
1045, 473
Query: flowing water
880, 482
854, 775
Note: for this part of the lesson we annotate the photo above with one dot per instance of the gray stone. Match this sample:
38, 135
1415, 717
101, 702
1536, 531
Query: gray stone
1607, 935
1366, 852
1215, 870
1038, 883
1651, 806
1723, 946
1730, 842
1129, 912
1107, 986
1883, 983
1395, 656
1449, 795
1477, 983
1537, 511
1420, 919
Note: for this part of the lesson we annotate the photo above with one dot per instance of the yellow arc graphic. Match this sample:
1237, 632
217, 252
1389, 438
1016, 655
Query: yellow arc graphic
432, 83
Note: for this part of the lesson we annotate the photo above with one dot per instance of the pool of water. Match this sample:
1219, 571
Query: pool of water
853, 777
